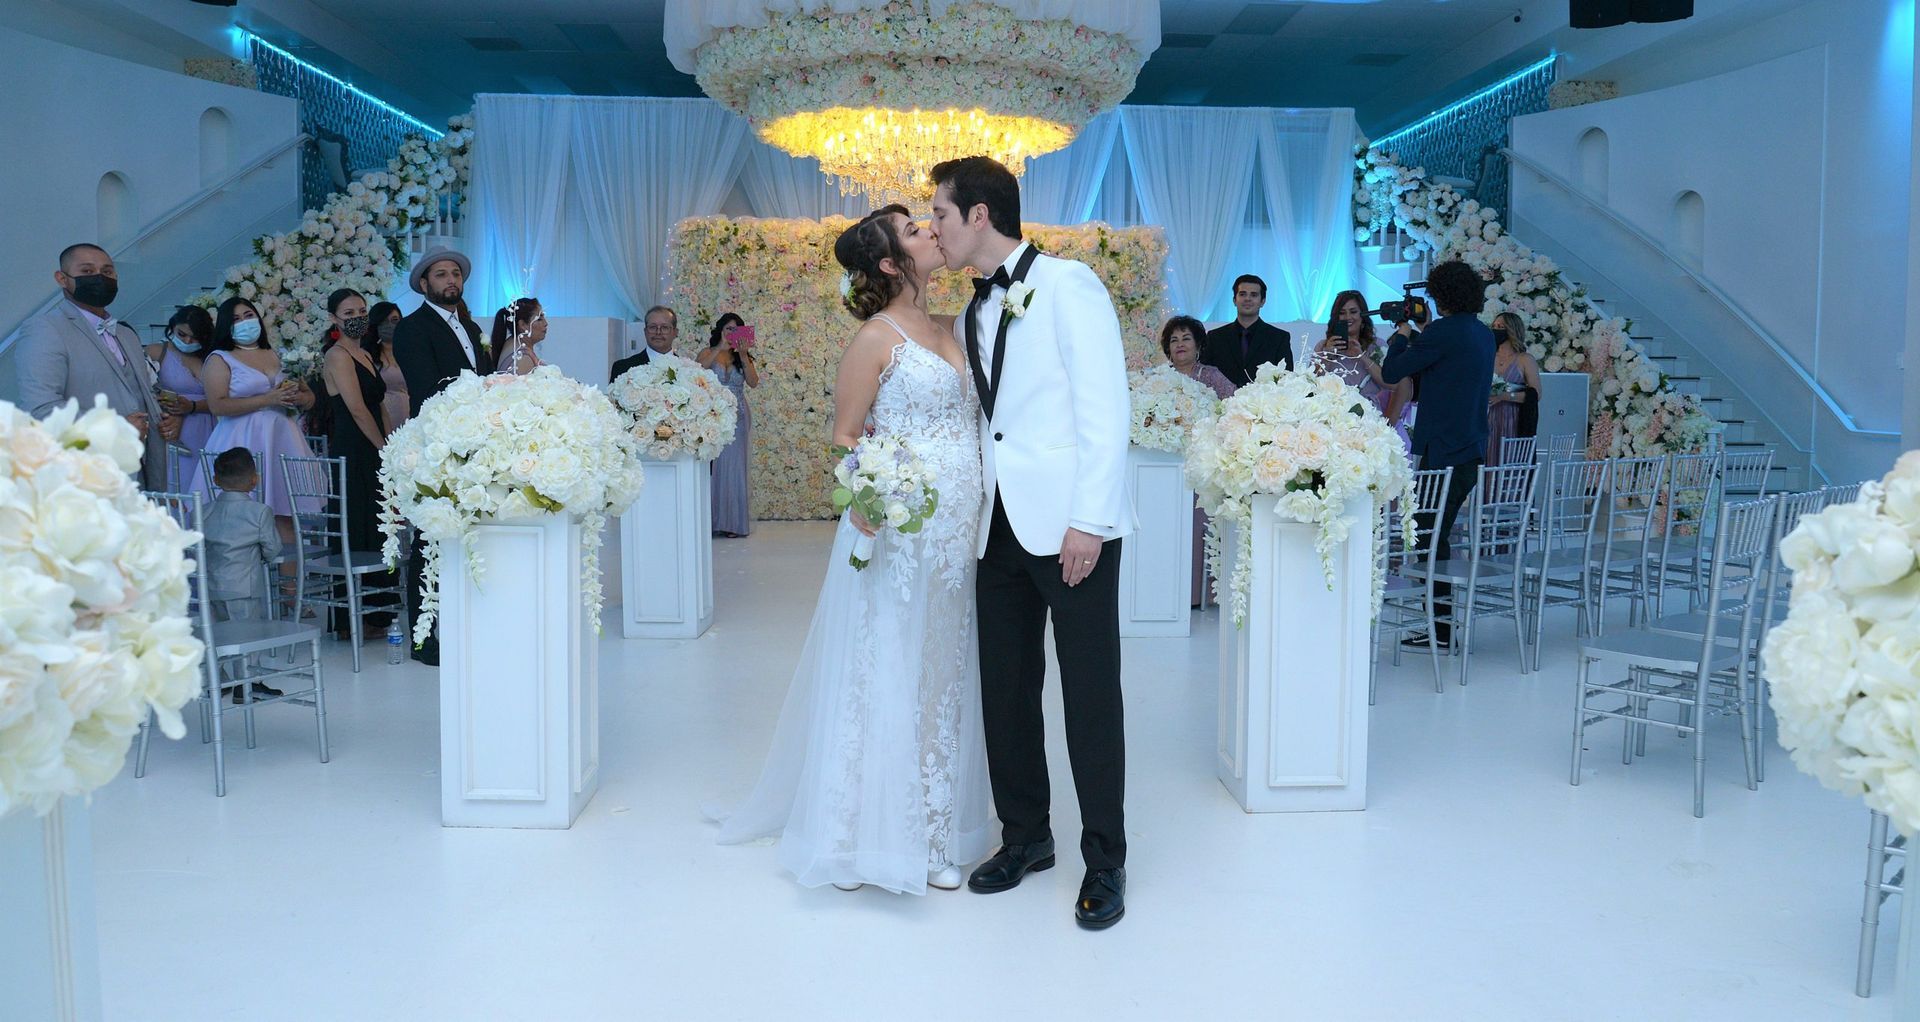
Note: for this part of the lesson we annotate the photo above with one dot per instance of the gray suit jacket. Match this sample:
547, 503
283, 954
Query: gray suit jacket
241, 539
59, 357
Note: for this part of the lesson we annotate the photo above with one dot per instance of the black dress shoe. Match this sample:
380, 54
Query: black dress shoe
1103, 899
1009, 865
428, 654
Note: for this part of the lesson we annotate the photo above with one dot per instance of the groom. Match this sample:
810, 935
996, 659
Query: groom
1048, 365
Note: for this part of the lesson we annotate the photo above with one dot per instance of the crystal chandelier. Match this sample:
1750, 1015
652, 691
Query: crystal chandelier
881, 93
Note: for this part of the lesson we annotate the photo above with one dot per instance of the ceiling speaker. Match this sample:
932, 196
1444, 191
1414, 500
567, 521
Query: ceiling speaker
1608, 13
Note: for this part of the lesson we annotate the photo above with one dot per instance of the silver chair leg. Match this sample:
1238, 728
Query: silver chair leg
1700, 747
1870, 908
1579, 717
146, 731
219, 746
319, 702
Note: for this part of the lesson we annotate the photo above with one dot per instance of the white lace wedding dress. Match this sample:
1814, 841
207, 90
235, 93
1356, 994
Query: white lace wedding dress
878, 767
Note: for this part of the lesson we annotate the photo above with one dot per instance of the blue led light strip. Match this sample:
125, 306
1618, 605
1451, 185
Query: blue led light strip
432, 132
1519, 75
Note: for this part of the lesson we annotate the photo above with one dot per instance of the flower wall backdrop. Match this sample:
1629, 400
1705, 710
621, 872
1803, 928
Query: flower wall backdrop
1635, 410
781, 277
354, 240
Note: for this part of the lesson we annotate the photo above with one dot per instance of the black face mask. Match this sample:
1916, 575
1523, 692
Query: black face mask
354, 327
95, 289
386, 330
1500, 335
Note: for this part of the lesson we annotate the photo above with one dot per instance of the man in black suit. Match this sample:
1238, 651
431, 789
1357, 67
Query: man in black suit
1241, 347
433, 346
1452, 360
663, 328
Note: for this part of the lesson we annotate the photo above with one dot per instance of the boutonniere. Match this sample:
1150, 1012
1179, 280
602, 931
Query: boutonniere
1015, 303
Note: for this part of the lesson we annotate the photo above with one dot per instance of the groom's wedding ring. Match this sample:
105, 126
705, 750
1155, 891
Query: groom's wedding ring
1086, 560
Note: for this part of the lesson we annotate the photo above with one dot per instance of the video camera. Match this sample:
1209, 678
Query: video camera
1410, 307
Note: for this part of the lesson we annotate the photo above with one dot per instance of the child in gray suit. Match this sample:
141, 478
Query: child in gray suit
241, 540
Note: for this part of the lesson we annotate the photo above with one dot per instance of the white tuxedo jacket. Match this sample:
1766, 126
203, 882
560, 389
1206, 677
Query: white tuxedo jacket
1055, 446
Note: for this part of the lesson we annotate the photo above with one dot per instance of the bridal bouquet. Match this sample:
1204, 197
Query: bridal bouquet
501, 447
93, 605
1311, 440
1845, 664
882, 480
677, 407
1166, 405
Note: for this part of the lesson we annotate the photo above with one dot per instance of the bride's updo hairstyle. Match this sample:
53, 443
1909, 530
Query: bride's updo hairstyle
860, 249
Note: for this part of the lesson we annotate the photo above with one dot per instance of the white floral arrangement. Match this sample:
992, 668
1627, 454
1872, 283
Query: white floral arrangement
352, 241
94, 631
502, 447
1845, 664
1167, 403
677, 408
1314, 442
885, 482
1635, 411
904, 56
780, 275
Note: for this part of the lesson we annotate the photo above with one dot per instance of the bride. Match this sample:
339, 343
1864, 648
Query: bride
877, 773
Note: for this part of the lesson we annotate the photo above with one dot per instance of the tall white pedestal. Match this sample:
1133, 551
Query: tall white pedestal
519, 680
1156, 562
1906, 963
1293, 679
666, 553
49, 957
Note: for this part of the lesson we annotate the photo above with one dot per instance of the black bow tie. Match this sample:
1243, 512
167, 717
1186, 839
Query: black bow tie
983, 286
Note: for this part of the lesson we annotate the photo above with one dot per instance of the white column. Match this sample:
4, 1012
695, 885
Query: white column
666, 553
1293, 679
519, 680
49, 957
1156, 562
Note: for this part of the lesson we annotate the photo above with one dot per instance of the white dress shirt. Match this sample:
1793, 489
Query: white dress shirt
452, 316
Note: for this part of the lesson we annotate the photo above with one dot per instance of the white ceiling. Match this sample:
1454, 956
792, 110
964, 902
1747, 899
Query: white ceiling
1391, 60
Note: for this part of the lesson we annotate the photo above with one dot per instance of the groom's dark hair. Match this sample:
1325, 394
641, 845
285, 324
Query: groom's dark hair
981, 180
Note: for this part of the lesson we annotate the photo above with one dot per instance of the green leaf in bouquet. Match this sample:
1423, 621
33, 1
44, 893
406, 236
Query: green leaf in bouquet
841, 498
912, 526
933, 502
541, 500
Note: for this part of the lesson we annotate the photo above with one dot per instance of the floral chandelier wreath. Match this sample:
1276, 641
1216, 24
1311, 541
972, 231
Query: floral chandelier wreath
880, 95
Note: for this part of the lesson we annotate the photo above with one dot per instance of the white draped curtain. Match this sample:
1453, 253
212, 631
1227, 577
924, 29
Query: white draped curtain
1061, 187
1306, 161
514, 214
1192, 168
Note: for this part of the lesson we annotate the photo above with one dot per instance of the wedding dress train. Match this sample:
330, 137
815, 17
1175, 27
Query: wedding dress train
877, 773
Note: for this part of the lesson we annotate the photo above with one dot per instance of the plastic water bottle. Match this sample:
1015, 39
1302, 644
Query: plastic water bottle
396, 643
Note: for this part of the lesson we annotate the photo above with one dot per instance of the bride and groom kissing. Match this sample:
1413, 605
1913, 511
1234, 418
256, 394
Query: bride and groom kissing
920, 681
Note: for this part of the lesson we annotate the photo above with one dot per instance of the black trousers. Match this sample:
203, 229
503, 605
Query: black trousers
1015, 592
1465, 478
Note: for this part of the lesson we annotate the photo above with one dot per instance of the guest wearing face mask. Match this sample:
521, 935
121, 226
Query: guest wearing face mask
77, 350
181, 393
254, 401
382, 320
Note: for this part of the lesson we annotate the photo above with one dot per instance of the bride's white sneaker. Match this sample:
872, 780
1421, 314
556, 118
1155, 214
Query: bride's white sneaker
849, 887
947, 878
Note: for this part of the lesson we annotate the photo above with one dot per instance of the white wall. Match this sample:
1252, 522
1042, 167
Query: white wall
1795, 131
73, 116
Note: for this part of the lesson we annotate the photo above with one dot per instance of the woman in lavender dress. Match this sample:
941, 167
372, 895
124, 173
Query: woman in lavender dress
730, 355
1353, 352
1512, 363
255, 402
1180, 342
178, 378
384, 317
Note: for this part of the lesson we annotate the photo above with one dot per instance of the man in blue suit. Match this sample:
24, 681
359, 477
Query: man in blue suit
1451, 362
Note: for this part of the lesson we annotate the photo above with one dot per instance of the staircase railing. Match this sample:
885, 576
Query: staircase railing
168, 218
1793, 365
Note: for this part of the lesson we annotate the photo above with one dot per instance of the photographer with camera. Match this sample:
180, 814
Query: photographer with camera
1452, 362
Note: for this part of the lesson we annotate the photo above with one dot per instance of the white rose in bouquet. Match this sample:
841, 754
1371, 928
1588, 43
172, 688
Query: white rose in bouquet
676, 407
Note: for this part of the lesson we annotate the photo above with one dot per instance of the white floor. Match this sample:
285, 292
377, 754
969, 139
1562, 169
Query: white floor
1478, 885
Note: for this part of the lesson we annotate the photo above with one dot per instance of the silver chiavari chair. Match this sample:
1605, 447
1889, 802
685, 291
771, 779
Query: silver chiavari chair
1485, 578
1558, 567
1690, 502
179, 468
1746, 474
1623, 554
1883, 849
330, 574
1566, 443
1792, 508
1406, 606
1516, 450
1680, 671
207, 458
1844, 494
235, 656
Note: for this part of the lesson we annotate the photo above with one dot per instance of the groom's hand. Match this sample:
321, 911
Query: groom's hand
1079, 552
